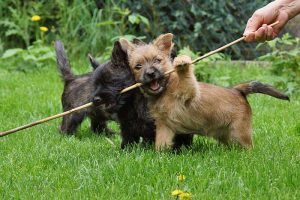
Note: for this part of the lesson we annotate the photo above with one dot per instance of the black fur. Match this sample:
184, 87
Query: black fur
131, 107
78, 91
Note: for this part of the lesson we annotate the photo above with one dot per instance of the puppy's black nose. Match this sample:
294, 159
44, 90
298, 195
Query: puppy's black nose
150, 73
97, 100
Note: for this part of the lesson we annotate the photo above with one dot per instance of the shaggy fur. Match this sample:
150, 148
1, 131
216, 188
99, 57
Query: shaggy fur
78, 91
131, 107
180, 104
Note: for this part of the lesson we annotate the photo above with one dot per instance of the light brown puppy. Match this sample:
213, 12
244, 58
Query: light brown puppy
180, 104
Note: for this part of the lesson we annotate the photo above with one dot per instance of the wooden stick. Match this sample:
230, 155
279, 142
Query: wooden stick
131, 87
197, 59
123, 91
209, 54
45, 119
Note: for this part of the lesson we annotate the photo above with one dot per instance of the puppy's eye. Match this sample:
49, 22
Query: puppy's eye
138, 66
157, 60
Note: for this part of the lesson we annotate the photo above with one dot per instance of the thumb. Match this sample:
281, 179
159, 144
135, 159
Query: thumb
253, 24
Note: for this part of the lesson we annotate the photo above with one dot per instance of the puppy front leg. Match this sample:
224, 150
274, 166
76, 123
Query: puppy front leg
187, 86
164, 137
183, 64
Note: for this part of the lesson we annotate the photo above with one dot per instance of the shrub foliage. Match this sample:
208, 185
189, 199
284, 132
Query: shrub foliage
285, 58
90, 25
203, 24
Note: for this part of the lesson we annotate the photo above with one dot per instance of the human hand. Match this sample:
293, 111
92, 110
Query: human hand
258, 27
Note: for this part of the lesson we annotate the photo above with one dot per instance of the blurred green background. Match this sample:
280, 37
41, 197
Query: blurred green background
91, 26
28, 29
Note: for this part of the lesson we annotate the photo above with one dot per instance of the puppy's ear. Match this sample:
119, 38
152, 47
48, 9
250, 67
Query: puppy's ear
164, 43
138, 42
126, 45
93, 61
119, 57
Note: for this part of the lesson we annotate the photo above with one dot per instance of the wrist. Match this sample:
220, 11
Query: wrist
291, 7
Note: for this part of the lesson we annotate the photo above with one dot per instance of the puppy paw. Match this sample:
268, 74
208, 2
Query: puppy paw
182, 62
162, 148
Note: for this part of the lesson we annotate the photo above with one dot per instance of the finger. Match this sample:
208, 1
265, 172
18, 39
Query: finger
250, 37
253, 23
276, 31
265, 37
260, 34
282, 22
269, 33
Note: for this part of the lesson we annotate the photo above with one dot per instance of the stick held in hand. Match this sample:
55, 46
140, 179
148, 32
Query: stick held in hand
123, 91
197, 59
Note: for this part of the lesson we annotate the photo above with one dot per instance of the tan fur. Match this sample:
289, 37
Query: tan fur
187, 106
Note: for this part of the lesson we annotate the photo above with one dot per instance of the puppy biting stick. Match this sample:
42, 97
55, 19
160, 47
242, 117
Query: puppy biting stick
123, 91
197, 59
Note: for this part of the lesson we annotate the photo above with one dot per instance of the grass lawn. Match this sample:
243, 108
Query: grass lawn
39, 163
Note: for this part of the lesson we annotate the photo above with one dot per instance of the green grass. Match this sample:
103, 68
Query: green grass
39, 163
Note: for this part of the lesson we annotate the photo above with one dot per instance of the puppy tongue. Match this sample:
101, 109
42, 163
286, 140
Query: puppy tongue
154, 85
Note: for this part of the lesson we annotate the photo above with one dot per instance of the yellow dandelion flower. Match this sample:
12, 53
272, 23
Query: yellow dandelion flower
185, 195
43, 29
181, 177
176, 192
35, 18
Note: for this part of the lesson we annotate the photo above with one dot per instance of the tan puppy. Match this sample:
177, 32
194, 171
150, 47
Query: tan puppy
180, 104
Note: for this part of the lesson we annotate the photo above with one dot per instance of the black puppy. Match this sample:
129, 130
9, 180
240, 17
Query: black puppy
78, 91
131, 107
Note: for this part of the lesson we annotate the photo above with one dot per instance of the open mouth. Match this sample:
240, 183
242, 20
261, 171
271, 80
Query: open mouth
154, 87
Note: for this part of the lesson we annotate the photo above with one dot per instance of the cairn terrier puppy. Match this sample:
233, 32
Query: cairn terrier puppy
131, 107
180, 104
78, 90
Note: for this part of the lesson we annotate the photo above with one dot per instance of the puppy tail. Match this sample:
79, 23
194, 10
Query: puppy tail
63, 62
258, 87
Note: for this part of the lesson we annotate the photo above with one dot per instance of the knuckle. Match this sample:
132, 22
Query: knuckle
258, 14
